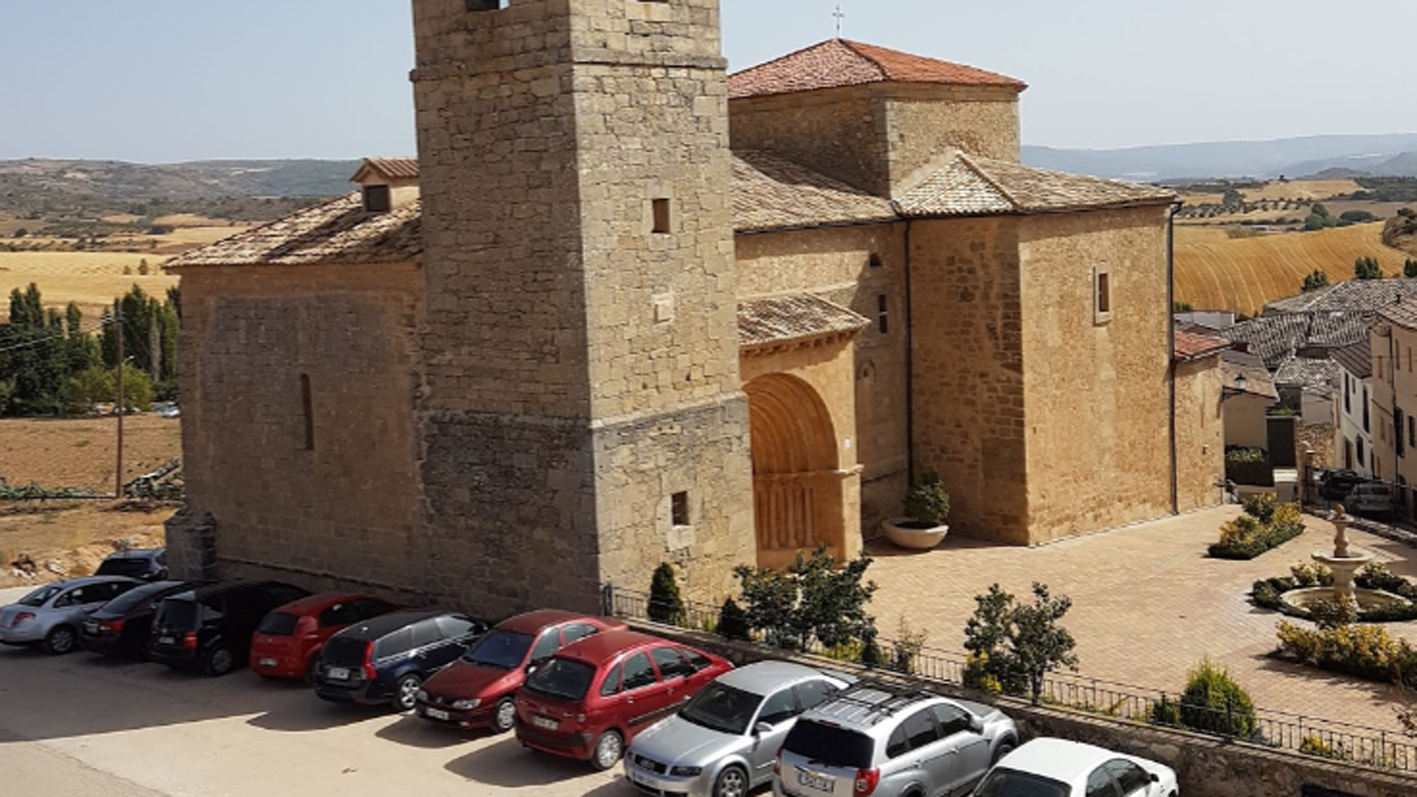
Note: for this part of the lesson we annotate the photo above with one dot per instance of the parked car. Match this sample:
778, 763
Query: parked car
51, 615
1336, 484
477, 690
123, 625
386, 659
884, 740
597, 694
723, 742
148, 564
1061, 768
289, 639
209, 628
1371, 498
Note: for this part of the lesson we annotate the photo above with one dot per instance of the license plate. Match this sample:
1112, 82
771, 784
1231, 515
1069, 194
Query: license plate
91, 626
267, 662
544, 722
435, 713
636, 776
338, 673
816, 782
165, 640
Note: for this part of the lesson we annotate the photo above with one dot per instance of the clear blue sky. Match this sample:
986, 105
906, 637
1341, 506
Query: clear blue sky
172, 80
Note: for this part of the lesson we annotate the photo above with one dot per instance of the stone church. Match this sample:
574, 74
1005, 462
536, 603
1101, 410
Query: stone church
625, 309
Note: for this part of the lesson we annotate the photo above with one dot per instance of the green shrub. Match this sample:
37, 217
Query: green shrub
665, 604
905, 654
733, 621
1332, 613
1166, 712
1247, 456
1366, 651
1260, 506
1246, 536
1214, 703
927, 502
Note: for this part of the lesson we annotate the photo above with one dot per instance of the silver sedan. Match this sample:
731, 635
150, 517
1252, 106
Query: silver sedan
51, 615
722, 743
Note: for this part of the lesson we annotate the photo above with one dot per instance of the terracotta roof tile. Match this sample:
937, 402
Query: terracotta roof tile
801, 317
772, 193
838, 62
969, 186
1275, 338
389, 168
339, 232
1190, 346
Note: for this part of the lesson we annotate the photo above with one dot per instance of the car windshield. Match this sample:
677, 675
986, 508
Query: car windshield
722, 708
40, 596
1002, 782
830, 745
278, 624
564, 679
122, 567
502, 649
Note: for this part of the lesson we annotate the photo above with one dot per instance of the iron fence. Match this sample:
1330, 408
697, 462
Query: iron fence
1307, 735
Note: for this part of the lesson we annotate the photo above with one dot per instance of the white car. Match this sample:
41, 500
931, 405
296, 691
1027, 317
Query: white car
1060, 768
51, 615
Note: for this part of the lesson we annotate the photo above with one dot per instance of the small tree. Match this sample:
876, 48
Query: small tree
665, 604
1314, 280
1409, 268
1367, 268
769, 603
927, 503
733, 621
1012, 646
143, 267
1214, 703
1040, 644
813, 600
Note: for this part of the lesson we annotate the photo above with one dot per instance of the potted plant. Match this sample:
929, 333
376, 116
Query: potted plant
927, 505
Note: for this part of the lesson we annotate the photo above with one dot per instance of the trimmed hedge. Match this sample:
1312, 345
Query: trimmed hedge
1367, 651
1248, 536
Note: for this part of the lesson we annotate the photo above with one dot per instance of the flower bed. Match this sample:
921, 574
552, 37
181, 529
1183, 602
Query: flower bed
1263, 526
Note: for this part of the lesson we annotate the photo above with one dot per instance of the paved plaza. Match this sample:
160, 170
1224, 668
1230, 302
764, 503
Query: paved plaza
1148, 604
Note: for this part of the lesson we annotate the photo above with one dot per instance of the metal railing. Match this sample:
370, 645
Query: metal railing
1307, 735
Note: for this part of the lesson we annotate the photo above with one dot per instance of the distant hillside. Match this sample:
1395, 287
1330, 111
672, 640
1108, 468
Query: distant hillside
1216, 272
1382, 155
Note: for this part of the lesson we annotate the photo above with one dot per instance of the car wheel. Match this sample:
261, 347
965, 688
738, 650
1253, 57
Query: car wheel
731, 782
504, 715
608, 749
1005, 747
61, 640
218, 661
309, 677
406, 692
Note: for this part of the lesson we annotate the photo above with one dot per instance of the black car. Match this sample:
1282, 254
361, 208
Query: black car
386, 659
148, 564
122, 626
210, 628
1335, 485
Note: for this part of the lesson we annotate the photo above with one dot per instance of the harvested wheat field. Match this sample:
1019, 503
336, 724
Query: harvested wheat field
1245, 273
1301, 189
91, 279
70, 538
82, 452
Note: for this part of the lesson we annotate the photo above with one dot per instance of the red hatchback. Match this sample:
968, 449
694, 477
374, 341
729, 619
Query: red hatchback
290, 637
476, 690
592, 698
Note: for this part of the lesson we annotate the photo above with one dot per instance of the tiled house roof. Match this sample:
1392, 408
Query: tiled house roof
1356, 359
772, 193
1275, 338
1258, 382
389, 168
1308, 373
970, 186
798, 318
1403, 314
339, 232
1190, 346
838, 62
1353, 295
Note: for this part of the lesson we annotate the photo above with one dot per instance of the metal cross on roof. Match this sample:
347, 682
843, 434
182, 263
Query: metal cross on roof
839, 15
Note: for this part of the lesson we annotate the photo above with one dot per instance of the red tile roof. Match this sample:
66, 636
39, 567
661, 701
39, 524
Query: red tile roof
838, 62
1189, 346
389, 168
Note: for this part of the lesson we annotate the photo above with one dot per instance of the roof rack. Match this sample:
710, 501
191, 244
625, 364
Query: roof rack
898, 696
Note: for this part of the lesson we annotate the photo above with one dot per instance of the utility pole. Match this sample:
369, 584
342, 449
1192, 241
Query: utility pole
118, 322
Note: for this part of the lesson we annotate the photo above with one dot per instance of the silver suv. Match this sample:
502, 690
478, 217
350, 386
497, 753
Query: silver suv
889, 740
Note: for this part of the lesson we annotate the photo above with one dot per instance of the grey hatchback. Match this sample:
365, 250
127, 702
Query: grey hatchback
723, 742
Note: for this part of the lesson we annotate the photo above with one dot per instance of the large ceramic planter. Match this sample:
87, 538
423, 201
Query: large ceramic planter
900, 532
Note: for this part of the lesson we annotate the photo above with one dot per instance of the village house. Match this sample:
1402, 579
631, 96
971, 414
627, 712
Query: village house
1352, 415
587, 330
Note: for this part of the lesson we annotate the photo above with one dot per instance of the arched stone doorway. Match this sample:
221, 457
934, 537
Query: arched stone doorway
797, 479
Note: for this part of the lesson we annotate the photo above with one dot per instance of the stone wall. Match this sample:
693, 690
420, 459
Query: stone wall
1200, 435
339, 496
925, 120
967, 312
1098, 399
839, 132
582, 330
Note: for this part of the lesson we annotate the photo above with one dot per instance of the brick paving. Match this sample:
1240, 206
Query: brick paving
1148, 604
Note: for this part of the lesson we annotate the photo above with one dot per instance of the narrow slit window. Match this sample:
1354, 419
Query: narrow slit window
661, 215
883, 314
308, 407
679, 504
486, 5
1102, 295
874, 261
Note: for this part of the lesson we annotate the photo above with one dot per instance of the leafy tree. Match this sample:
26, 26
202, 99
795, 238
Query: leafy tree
1315, 222
1181, 307
1409, 268
665, 603
21, 232
813, 601
733, 621
1014, 646
1314, 280
769, 604
1367, 268
1356, 216
1319, 210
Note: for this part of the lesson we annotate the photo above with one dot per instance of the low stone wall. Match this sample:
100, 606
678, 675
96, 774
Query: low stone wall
1205, 766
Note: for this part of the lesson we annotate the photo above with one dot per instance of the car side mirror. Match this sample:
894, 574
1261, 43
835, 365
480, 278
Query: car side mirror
531, 667
1155, 778
762, 729
976, 725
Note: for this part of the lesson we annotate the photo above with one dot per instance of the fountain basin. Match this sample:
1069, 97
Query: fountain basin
1299, 600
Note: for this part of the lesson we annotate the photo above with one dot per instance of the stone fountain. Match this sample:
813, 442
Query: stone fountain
1344, 562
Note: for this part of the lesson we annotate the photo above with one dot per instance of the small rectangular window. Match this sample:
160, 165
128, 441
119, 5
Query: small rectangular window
874, 261
486, 5
1101, 294
378, 199
307, 405
679, 504
661, 216
883, 315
